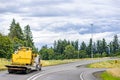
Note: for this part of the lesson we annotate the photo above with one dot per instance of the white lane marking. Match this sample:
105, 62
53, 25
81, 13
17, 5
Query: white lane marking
34, 77
41, 75
81, 76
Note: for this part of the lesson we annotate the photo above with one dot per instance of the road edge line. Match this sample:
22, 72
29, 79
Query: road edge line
81, 76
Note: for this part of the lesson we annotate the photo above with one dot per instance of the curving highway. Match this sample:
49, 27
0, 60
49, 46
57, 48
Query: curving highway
71, 71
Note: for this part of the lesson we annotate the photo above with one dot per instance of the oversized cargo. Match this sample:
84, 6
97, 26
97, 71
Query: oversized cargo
24, 60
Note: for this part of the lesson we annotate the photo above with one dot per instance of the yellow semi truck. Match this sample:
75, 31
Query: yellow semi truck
24, 60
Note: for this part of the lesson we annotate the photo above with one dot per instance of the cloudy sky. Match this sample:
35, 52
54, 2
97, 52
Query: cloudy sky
63, 19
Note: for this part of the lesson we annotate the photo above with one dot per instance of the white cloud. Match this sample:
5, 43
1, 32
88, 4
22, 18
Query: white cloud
63, 19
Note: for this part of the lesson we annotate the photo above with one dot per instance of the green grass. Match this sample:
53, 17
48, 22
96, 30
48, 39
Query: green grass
113, 73
107, 76
106, 64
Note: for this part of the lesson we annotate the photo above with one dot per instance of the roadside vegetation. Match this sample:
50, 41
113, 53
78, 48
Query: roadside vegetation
113, 73
57, 62
106, 64
108, 76
3, 62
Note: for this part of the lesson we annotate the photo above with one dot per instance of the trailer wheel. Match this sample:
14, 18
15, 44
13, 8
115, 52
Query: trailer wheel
10, 71
26, 71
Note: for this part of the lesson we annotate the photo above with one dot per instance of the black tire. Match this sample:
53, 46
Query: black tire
10, 71
38, 67
27, 71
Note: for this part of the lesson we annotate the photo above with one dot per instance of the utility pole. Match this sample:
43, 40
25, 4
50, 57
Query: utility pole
108, 49
78, 53
78, 49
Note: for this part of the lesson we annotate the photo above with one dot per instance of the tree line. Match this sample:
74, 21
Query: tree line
61, 49
65, 49
15, 38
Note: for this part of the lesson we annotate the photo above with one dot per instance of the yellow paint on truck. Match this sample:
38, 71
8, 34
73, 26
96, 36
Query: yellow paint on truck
23, 60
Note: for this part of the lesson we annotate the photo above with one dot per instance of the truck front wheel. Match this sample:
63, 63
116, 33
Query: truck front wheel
38, 67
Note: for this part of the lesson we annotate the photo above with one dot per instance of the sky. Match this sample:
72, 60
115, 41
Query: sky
52, 20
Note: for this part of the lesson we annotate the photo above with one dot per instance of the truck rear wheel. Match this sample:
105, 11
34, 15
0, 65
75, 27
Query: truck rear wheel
27, 71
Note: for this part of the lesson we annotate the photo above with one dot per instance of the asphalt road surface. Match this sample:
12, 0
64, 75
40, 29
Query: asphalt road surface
71, 71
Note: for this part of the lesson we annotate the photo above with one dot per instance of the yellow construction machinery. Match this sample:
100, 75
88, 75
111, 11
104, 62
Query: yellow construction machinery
24, 60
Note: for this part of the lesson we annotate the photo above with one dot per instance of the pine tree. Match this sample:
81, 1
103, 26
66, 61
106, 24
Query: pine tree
94, 48
99, 47
16, 35
104, 45
12, 28
111, 47
15, 31
28, 37
76, 44
115, 44
90, 49
18, 31
83, 46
